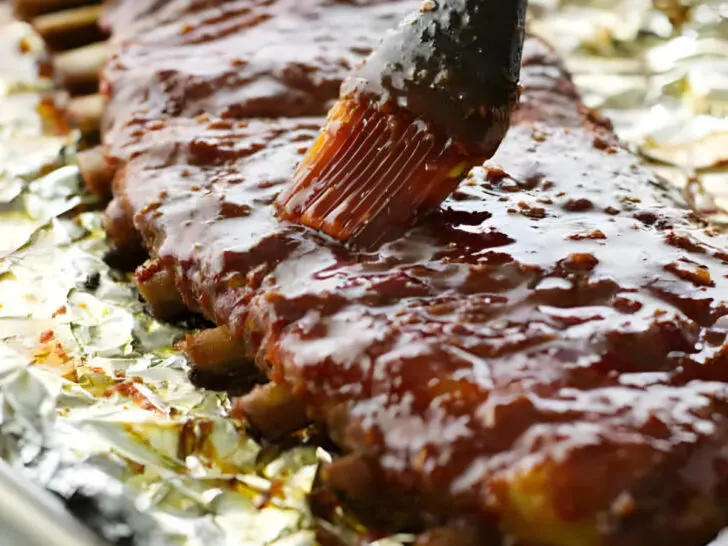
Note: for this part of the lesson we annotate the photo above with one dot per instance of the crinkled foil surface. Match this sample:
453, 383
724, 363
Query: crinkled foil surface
95, 404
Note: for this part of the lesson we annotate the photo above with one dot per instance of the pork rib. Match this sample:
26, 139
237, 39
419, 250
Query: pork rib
545, 356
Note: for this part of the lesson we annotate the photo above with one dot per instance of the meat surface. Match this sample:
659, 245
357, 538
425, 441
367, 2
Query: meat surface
237, 58
544, 358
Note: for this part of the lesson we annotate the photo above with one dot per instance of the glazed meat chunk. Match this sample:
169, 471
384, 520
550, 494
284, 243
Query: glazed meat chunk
236, 59
544, 358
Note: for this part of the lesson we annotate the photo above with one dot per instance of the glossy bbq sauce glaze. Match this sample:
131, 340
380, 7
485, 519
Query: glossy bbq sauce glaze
545, 354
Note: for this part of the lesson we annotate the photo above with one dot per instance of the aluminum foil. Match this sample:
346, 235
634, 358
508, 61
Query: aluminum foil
659, 70
95, 404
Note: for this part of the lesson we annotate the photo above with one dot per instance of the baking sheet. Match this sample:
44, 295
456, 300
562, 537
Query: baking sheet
31, 517
95, 405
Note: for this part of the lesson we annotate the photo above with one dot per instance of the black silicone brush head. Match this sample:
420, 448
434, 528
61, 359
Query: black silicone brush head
432, 101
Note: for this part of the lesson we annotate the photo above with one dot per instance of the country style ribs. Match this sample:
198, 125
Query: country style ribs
542, 361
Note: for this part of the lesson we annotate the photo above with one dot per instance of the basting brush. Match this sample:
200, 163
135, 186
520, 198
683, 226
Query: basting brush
432, 101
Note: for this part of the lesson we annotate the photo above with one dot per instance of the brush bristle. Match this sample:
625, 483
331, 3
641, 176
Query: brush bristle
370, 174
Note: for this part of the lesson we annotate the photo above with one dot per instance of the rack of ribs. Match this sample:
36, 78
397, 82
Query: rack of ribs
543, 360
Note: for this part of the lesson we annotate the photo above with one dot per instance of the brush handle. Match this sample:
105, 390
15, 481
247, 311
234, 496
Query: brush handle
454, 64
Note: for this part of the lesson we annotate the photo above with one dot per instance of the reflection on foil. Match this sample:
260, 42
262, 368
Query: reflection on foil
94, 400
